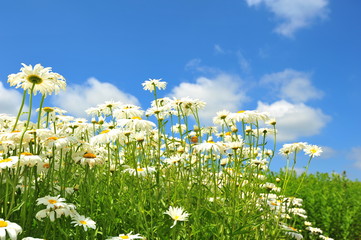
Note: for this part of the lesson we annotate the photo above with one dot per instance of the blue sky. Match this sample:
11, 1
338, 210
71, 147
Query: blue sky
298, 59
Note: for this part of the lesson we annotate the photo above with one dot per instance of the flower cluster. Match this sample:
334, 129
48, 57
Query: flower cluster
227, 163
57, 207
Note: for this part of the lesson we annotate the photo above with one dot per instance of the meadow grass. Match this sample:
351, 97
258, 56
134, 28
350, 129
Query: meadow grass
332, 201
165, 176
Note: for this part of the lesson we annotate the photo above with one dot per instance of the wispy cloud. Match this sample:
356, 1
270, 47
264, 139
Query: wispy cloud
224, 91
218, 49
195, 65
292, 85
243, 62
355, 155
77, 98
328, 152
10, 100
294, 14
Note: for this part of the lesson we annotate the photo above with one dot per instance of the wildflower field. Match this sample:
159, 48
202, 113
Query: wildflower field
159, 173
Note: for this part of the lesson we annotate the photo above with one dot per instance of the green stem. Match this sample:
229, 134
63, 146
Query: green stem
18, 168
304, 175
20, 110
40, 108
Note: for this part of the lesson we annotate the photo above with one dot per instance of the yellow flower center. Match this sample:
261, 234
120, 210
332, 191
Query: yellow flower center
313, 150
52, 201
46, 165
15, 131
6, 160
89, 155
3, 224
48, 109
176, 217
26, 154
294, 229
53, 138
34, 79
139, 118
140, 169
105, 131
124, 237
83, 222
210, 141
242, 111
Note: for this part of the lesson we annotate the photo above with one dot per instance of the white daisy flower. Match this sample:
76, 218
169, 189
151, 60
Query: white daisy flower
221, 118
137, 124
85, 222
295, 235
307, 223
51, 202
152, 84
177, 214
93, 111
235, 145
55, 208
128, 111
174, 159
31, 238
49, 113
187, 106
179, 128
12, 229
67, 210
325, 238
45, 81
128, 236
140, 171
314, 230
208, 146
248, 116
60, 142
313, 150
289, 148
293, 232
270, 187
90, 159
28, 159
8, 162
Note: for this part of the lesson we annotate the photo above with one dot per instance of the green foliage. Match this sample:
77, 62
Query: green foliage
332, 201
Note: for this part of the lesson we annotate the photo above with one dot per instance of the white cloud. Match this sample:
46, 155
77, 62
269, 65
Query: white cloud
295, 120
292, 85
299, 171
218, 49
221, 92
197, 66
356, 156
10, 100
294, 14
244, 64
77, 98
328, 152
